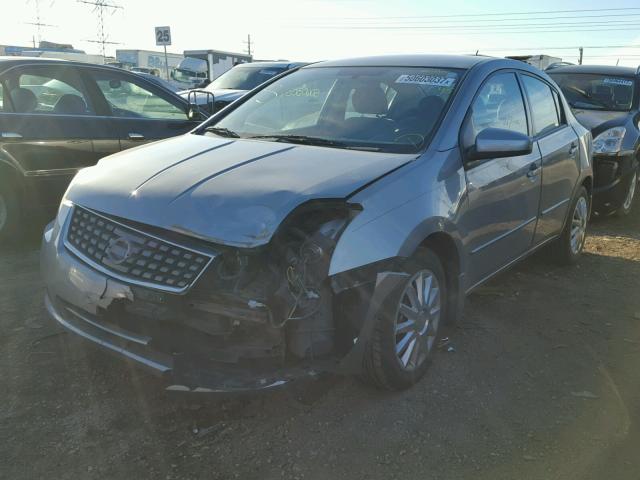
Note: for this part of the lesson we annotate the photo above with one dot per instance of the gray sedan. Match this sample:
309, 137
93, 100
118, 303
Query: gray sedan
333, 219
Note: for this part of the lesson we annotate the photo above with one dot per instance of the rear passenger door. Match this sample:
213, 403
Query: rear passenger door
558, 145
140, 110
47, 127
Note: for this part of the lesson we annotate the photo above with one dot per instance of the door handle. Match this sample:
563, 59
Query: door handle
135, 136
573, 149
10, 135
534, 170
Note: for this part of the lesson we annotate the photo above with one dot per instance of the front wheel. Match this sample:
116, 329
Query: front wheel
568, 247
625, 208
407, 326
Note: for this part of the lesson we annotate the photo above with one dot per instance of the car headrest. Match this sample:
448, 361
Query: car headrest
622, 94
369, 99
70, 104
24, 100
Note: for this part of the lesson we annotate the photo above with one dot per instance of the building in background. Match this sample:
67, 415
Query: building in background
538, 61
60, 51
148, 60
218, 61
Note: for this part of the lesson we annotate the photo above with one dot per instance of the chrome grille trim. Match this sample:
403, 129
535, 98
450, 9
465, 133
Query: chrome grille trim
96, 259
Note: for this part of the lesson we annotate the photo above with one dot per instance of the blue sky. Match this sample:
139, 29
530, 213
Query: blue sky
320, 29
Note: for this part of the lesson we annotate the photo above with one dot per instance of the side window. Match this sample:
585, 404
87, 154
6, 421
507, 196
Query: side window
48, 90
130, 100
543, 105
499, 104
559, 109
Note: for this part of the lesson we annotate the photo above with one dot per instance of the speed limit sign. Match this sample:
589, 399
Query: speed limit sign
163, 36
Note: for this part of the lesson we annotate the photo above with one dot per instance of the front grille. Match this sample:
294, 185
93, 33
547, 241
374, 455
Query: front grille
131, 255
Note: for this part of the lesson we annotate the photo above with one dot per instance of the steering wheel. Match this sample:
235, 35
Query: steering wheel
414, 138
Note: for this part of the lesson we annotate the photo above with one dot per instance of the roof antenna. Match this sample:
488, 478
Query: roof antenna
477, 52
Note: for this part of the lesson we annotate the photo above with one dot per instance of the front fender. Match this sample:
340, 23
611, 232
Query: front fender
400, 213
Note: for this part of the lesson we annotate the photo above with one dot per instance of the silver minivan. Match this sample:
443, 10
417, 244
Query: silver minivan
331, 220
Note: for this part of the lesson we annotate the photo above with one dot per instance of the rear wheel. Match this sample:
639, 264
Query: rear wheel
629, 196
407, 327
9, 212
568, 247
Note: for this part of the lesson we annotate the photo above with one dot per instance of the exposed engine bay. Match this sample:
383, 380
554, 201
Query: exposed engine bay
254, 310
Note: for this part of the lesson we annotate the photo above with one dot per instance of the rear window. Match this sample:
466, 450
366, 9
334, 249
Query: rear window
543, 105
596, 92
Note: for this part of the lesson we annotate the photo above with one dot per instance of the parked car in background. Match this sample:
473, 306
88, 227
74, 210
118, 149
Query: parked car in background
605, 100
242, 78
330, 220
169, 85
151, 71
57, 117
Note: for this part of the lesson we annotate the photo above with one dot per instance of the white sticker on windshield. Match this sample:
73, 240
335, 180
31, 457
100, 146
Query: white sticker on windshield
618, 81
423, 79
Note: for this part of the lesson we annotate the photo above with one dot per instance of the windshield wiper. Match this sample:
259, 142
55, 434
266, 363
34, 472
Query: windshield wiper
316, 141
223, 132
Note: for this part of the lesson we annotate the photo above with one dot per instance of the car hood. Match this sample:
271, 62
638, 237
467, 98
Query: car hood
228, 191
225, 95
592, 119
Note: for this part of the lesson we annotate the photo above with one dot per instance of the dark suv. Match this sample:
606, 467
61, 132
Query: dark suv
605, 100
57, 117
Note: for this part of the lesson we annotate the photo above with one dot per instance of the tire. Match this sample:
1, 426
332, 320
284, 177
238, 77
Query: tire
9, 212
629, 195
568, 247
415, 343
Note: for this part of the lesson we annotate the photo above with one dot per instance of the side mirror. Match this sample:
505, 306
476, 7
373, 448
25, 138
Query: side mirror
499, 143
201, 104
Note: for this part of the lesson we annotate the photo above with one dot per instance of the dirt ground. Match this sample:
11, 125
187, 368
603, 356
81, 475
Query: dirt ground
544, 383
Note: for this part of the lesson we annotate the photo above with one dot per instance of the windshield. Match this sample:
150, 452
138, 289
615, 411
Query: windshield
393, 109
244, 78
596, 92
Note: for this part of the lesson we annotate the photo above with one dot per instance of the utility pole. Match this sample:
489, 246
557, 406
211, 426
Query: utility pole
99, 7
581, 50
248, 43
37, 22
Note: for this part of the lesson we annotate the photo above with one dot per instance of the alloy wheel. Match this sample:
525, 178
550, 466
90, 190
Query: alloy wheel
417, 319
631, 193
579, 225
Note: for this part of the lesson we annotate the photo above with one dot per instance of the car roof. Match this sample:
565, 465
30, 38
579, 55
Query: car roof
418, 60
595, 69
270, 64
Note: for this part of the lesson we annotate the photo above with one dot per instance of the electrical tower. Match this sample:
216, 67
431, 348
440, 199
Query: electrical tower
248, 43
37, 22
99, 7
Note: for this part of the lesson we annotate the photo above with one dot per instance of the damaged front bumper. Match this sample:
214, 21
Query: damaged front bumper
195, 344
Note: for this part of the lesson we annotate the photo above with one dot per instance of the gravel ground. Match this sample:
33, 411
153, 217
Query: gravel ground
543, 384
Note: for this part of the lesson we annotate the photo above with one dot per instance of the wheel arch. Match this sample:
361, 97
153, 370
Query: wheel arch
449, 251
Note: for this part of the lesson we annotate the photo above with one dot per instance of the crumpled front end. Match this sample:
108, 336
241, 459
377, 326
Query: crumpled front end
207, 317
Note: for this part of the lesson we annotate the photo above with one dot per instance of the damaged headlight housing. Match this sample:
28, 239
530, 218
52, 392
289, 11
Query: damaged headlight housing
609, 141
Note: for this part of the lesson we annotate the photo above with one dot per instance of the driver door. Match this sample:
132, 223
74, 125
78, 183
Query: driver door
141, 111
503, 193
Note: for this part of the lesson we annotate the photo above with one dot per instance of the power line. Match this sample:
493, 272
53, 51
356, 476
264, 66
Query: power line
528, 30
460, 15
462, 21
480, 26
